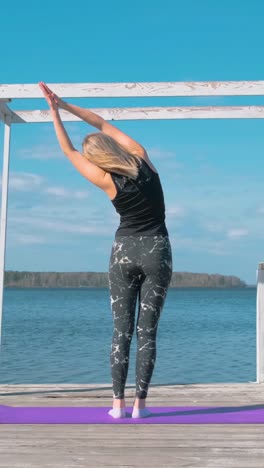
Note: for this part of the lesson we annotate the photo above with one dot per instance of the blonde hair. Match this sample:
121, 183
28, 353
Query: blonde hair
106, 153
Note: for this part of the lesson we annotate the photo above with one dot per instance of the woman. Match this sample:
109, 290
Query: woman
141, 260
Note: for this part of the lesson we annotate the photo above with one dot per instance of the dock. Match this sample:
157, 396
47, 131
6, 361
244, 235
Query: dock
132, 445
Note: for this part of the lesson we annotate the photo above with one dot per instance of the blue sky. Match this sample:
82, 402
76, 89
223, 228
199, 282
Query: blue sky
211, 170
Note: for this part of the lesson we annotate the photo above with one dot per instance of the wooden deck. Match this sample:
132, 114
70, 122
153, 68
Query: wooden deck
135, 445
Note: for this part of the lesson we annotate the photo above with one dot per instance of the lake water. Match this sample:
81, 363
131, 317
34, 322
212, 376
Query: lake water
64, 336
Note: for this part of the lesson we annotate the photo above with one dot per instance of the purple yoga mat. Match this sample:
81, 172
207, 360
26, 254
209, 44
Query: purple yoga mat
253, 414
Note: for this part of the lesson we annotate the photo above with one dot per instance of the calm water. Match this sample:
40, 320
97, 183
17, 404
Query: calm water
64, 336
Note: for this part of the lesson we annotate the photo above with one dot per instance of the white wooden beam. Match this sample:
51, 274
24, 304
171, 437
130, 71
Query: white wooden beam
142, 89
5, 112
149, 113
260, 324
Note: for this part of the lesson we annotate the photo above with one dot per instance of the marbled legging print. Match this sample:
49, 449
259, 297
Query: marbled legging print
139, 266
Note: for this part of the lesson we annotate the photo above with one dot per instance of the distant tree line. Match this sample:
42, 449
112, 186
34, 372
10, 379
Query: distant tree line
29, 279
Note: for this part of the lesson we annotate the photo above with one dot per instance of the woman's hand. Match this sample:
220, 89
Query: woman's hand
84, 114
54, 102
52, 99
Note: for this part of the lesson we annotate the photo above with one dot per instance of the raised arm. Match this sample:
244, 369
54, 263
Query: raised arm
96, 121
87, 169
126, 141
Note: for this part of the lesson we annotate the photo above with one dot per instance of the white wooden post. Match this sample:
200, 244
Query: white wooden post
260, 323
5, 175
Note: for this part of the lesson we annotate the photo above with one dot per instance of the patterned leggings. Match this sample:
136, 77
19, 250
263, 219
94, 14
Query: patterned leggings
139, 266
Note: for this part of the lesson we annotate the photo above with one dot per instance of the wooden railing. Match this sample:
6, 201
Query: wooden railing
144, 90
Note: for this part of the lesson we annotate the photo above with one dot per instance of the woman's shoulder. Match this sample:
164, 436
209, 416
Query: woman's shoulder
147, 161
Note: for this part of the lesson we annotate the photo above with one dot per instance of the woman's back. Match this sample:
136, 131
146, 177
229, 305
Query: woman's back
140, 203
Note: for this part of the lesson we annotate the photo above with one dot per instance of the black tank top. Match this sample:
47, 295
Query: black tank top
140, 203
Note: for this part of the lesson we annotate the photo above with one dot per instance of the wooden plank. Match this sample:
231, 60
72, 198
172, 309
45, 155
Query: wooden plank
149, 113
126, 456
136, 445
195, 394
174, 457
3, 112
142, 89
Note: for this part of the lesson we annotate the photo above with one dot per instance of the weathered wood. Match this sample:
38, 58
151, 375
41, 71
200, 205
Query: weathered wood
148, 113
6, 113
142, 89
157, 445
